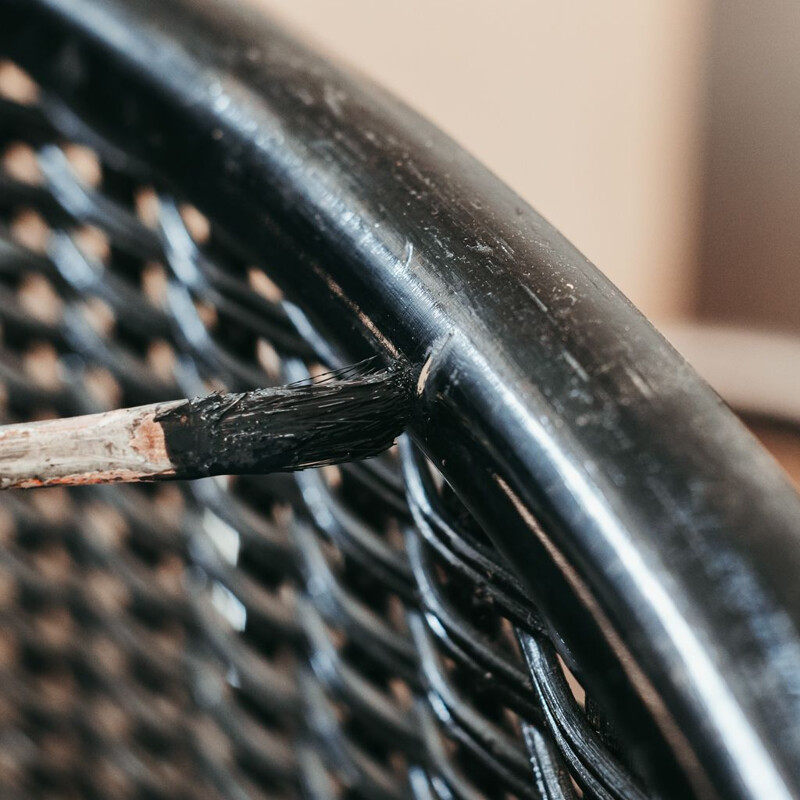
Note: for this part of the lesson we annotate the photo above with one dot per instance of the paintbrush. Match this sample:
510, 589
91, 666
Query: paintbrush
346, 415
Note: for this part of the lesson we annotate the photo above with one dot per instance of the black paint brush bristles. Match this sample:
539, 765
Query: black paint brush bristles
348, 415
344, 416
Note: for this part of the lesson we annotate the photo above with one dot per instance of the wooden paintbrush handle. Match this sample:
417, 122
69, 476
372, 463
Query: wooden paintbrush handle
123, 445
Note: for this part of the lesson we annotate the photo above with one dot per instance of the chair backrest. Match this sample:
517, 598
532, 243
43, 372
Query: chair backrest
577, 569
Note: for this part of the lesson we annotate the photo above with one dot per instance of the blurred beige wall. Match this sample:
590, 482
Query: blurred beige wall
750, 216
587, 109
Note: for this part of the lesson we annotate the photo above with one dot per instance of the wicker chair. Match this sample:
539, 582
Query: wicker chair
577, 575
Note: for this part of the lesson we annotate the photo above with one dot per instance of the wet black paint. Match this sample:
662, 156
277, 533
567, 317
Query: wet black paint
350, 415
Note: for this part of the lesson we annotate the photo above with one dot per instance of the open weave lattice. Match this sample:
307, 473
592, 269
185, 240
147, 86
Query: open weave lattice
341, 632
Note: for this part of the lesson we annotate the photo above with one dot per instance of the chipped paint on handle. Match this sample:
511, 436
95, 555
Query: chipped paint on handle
122, 445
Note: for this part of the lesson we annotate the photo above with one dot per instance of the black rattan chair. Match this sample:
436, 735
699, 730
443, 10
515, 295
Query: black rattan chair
577, 574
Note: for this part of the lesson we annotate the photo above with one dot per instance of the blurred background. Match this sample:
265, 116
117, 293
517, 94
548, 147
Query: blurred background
662, 137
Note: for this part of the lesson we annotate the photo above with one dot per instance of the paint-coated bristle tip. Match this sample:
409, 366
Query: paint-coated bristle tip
347, 415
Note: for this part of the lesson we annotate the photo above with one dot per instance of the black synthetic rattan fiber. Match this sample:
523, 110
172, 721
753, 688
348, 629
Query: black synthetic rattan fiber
342, 632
